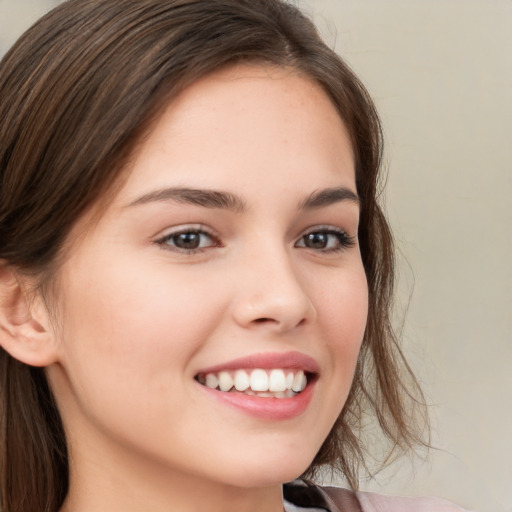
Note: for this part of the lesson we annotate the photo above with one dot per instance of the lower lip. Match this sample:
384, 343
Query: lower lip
266, 408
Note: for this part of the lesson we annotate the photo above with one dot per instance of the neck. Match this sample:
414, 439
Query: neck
114, 483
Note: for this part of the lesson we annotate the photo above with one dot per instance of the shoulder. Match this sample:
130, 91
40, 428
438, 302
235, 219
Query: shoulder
381, 503
300, 495
372, 502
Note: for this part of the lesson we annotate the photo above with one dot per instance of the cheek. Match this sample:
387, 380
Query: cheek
341, 301
128, 338
134, 324
344, 308
343, 315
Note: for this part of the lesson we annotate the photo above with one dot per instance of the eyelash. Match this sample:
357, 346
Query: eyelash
188, 231
343, 240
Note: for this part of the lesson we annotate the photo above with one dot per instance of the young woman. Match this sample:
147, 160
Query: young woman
195, 273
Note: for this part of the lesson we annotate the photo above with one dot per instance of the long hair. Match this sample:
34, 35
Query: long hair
77, 92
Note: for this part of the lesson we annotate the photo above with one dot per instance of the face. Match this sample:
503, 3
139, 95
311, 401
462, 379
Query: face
228, 259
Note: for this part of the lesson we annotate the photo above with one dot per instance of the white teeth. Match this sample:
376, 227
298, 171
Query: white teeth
241, 380
212, 381
304, 383
299, 382
277, 381
259, 380
225, 381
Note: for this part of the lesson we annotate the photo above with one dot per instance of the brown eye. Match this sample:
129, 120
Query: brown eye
316, 240
188, 240
326, 240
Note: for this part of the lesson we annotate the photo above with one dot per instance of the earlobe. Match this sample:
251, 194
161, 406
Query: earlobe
25, 330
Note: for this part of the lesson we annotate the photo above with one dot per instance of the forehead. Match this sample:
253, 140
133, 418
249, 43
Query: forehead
276, 119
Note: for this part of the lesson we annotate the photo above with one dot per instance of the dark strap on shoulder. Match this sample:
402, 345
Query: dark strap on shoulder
332, 499
305, 495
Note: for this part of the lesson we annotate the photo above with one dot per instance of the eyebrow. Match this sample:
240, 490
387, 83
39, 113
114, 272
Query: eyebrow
327, 196
217, 199
198, 197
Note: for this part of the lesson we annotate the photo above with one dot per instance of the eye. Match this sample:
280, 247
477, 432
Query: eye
326, 240
188, 240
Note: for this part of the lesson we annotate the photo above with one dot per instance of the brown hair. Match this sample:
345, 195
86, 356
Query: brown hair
77, 91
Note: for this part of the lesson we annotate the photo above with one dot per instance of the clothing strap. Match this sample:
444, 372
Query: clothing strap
307, 496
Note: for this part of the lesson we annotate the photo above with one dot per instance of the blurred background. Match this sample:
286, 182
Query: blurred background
441, 74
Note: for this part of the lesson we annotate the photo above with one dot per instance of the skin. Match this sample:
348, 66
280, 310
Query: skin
138, 318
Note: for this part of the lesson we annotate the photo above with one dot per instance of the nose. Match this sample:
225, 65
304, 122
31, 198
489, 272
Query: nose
271, 294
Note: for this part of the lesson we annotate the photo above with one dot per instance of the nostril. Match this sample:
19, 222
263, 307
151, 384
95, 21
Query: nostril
263, 320
274, 321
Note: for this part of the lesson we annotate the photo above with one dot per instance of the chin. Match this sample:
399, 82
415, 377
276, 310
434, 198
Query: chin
269, 474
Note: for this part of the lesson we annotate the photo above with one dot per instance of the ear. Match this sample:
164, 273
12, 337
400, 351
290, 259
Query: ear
25, 328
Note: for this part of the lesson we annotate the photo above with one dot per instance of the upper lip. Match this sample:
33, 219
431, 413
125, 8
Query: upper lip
267, 361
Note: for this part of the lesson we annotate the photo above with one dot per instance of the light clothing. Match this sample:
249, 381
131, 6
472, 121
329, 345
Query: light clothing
301, 497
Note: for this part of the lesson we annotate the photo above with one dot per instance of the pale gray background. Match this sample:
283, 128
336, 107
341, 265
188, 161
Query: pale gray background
441, 74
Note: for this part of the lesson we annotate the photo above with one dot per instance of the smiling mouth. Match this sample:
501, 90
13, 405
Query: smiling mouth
272, 383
